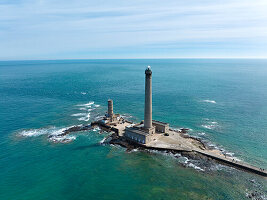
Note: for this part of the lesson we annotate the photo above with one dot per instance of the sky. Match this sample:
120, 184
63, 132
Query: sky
107, 29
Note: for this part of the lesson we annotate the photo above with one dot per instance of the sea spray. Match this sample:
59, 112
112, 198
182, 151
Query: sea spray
209, 101
54, 134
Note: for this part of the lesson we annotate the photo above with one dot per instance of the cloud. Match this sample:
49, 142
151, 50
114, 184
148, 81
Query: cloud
90, 29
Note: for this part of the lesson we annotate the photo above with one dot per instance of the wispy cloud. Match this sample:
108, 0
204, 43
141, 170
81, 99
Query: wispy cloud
31, 29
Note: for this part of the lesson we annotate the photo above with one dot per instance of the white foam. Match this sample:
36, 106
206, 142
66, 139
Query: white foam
53, 132
64, 139
131, 125
202, 133
211, 125
96, 129
85, 118
97, 106
42, 131
207, 126
229, 154
83, 93
126, 116
59, 131
184, 160
57, 137
79, 114
177, 155
89, 104
102, 141
195, 167
82, 109
209, 101
99, 117
35, 132
223, 151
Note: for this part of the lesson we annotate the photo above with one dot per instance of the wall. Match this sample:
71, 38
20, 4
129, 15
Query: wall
161, 128
136, 137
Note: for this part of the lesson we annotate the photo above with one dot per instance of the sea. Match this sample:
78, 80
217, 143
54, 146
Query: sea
222, 101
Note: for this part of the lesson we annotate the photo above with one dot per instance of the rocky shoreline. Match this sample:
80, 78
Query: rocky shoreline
115, 139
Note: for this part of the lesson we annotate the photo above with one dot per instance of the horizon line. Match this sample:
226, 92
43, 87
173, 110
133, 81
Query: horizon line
262, 58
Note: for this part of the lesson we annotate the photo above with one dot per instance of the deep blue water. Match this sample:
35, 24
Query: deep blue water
223, 101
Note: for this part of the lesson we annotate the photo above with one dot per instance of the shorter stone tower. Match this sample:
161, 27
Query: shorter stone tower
110, 108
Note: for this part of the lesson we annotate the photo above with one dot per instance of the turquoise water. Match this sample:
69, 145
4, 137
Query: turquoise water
223, 101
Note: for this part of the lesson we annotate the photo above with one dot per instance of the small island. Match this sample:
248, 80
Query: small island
157, 135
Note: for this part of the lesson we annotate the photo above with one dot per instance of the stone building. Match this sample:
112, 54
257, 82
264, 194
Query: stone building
138, 135
160, 127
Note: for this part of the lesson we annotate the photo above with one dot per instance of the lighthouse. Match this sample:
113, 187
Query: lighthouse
145, 132
148, 99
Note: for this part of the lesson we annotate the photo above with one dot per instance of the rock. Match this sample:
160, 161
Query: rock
184, 130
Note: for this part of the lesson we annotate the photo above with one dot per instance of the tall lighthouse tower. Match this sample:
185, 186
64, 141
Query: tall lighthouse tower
148, 100
144, 133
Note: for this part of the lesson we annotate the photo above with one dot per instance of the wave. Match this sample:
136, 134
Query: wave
96, 129
85, 118
82, 116
134, 150
222, 150
83, 93
79, 114
126, 116
210, 125
89, 104
35, 132
103, 140
195, 167
209, 101
181, 159
99, 117
54, 134
62, 139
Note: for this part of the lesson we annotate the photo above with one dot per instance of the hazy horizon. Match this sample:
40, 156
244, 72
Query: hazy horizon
204, 58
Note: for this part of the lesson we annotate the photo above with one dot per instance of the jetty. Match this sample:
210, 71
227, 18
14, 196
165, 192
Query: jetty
235, 163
